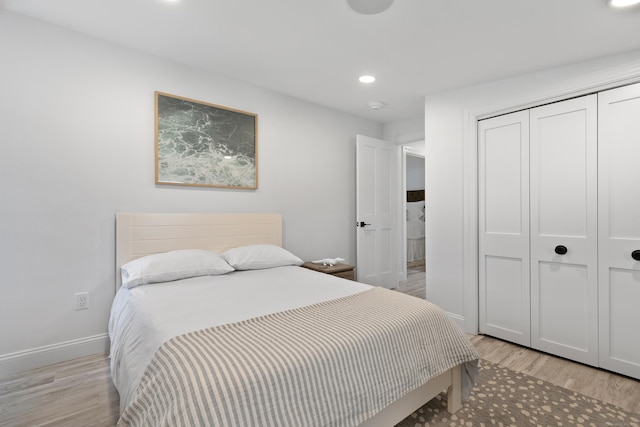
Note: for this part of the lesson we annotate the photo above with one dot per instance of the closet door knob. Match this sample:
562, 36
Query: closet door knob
561, 250
636, 255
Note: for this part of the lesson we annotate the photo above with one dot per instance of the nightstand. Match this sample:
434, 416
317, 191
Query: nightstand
345, 271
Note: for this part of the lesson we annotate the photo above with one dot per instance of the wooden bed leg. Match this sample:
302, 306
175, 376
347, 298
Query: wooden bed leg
454, 392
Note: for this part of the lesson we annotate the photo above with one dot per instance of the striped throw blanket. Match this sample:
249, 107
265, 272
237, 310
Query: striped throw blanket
335, 363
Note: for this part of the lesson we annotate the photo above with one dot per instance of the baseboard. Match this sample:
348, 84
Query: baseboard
25, 360
457, 318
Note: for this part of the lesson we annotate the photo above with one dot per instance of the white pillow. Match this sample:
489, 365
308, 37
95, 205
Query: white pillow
174, 265
255, 257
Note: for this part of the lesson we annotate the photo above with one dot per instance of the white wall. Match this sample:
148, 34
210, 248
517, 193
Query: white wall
451, 166
415, 173
77, 146
404, 131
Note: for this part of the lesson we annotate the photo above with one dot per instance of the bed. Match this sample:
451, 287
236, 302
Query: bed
269, 342
415, 228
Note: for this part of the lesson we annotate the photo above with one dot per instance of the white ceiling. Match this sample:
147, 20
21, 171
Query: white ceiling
316, 49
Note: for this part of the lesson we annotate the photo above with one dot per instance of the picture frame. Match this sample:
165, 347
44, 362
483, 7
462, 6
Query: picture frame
204, 145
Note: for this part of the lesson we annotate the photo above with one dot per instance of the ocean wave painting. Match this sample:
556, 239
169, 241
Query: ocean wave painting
204, 144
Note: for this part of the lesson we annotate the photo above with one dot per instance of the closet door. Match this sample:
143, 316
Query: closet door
503, 153
564, 282
619, 229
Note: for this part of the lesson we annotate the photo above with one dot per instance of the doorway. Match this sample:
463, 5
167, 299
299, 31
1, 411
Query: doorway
412, 241
404, 171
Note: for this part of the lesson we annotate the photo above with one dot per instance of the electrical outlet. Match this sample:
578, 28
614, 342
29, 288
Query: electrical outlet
82, 300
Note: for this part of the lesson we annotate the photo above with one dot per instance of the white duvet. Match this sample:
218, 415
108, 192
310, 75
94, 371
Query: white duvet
145, 317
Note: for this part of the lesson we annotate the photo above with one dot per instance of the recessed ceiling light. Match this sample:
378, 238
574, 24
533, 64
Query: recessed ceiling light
367, 79
623, 3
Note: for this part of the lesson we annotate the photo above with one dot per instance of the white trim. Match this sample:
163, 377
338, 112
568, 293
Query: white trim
402, 217
459, 320
589, 83
25, 360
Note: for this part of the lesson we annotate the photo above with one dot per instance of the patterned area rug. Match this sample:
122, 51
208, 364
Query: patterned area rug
506, 398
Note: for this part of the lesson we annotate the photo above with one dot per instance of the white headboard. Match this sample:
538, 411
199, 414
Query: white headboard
140, 234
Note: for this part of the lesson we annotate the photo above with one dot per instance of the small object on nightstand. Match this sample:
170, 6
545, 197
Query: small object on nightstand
343, 270
329, 261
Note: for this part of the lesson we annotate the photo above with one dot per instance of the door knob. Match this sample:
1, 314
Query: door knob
361, 224
561, 250
636, 255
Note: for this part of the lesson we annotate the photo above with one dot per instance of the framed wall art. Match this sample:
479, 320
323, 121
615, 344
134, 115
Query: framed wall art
202, 144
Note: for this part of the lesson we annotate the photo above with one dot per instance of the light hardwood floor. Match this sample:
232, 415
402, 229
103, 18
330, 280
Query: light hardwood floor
74, 393
416, 282
80, 392
602, 385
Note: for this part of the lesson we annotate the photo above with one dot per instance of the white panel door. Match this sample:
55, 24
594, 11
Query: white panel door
503, 178
564, 280
619, 229
376, 206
